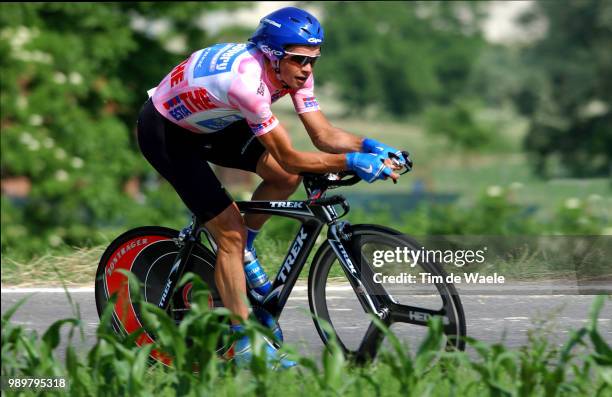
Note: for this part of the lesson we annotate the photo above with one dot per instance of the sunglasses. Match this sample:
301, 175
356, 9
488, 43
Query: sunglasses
302, 59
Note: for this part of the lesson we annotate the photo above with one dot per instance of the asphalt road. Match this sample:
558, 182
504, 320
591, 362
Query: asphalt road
490, 317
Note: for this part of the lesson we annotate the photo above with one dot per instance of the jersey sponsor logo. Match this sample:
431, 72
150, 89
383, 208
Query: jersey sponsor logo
260, 127
261, 90
187, 103
178, 73
217, 59
310, 102
220, 122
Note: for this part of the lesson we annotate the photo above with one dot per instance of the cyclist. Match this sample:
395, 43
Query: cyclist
215, 107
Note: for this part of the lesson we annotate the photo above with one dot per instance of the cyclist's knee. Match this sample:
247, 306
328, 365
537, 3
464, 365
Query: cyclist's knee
285, 182
232, 239
229, 230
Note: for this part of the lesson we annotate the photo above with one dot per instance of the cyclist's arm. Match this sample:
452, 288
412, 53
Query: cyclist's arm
278, 144
328, 138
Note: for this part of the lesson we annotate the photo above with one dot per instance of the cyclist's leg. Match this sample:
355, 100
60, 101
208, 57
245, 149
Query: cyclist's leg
229, 233
277, 184
177, 155
237, 147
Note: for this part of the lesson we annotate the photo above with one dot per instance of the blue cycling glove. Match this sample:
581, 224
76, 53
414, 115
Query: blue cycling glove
368, 166
373, 146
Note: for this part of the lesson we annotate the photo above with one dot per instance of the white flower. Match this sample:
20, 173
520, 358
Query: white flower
572, 203
25, 138
22, 102
60, 154
77, 162
75, 78
55, 240
48, 142
59, 78
33, 56
34, 145
494, 191
36, 120
61, 175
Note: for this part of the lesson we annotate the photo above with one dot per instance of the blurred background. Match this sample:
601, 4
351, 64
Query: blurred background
505, 108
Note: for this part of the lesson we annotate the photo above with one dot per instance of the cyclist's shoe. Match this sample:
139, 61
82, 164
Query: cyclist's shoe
242, 354
267, 320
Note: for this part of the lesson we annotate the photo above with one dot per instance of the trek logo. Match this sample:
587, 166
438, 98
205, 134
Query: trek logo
345, 256
169, 283
314, 40
292, 255
166, 291
287, 204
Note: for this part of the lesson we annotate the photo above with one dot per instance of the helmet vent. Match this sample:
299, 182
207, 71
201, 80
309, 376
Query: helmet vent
294, 19
309, 20
306, 30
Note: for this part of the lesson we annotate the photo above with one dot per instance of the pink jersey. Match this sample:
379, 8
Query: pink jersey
219, 85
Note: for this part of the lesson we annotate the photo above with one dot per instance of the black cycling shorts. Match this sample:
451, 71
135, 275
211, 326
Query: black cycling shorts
181, 156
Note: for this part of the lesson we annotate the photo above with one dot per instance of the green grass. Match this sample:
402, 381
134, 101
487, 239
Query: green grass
112, 367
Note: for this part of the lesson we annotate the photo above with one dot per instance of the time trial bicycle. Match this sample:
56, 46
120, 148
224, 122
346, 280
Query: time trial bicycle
344, 286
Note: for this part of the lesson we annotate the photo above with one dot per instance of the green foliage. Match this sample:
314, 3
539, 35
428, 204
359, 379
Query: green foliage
495, 212
571, 116
399, 57
458, 123
74, 76
116, 366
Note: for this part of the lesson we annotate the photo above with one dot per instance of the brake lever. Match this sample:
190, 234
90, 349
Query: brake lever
408, 160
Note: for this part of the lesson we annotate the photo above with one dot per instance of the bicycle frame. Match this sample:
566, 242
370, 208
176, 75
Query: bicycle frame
312, 215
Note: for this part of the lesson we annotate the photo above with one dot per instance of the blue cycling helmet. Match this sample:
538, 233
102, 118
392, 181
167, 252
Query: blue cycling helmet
287, 26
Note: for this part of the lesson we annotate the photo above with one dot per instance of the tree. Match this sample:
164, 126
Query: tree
399, 56
73, 78
569, 96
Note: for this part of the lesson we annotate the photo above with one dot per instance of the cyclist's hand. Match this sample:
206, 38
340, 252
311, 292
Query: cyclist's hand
369, 166
373, 146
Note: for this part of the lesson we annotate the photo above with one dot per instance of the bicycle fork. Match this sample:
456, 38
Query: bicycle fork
185, 240
338, 235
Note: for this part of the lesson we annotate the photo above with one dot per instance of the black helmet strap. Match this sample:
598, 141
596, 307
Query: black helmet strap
276, 67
